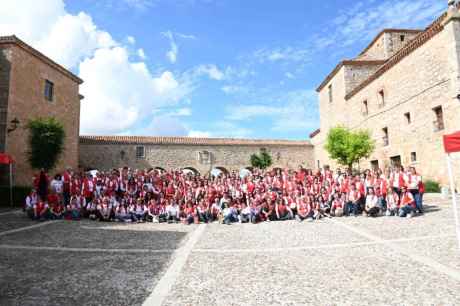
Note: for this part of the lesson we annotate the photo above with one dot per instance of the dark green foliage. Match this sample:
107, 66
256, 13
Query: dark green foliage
348, 147
432, 187
262, 160
46, 141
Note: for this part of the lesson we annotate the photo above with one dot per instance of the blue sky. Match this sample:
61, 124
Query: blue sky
207, 68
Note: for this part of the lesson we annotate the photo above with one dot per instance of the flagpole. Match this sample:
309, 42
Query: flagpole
454, 198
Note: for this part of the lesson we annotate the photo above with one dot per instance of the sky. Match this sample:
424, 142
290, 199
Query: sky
205, 68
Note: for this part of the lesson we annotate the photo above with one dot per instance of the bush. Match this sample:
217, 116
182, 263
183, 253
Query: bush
432, 187
46, 141
261, 161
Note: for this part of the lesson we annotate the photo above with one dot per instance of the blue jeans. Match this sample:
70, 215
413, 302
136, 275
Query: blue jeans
419, 201
230, 218
351, 209
405, 210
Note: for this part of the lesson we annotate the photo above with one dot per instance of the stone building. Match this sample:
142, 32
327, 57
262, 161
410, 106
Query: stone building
32, 86
200, 155
404, 88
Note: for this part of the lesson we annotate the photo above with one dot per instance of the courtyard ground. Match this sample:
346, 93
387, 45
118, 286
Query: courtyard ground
343, 261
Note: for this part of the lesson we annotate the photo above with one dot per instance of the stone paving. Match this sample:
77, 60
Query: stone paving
343, 261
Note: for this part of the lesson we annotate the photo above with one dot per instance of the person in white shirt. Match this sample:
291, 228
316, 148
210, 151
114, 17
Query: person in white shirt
245, 214
172, 212
371, 209
31, 201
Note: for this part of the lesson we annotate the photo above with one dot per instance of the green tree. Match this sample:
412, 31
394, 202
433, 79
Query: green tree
348, 147
262, 160
46, 142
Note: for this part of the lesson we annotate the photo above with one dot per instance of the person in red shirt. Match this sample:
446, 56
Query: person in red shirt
41, 211
407, 206
56, 211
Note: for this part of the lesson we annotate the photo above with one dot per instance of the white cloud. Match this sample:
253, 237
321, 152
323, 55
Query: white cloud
291, 111
211, 71
173, 52
141, 54
289, 75
233, 89
362, 22
165, 126
139, 4
180, 112
131, 40
286, 54
120, 94
65, 38
174, 49
199, 134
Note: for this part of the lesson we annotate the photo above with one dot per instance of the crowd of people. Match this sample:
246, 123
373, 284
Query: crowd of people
127, 195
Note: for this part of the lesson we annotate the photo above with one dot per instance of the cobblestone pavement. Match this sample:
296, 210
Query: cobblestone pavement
343, 261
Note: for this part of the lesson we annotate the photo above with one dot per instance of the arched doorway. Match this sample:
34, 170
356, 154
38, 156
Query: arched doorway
159, 169
217, 171
245, 172
191, 171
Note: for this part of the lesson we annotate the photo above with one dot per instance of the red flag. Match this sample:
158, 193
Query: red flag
452, 142
5, 159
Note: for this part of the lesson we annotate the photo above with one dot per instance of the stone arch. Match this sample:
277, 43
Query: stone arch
245, 172
159, 169
216, 171
191, 170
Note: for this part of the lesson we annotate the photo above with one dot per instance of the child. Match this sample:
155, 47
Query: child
407, 206
392, 203
31, 201
371, 209
337, 205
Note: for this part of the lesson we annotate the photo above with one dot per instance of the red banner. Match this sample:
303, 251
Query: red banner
452, 142
5, 159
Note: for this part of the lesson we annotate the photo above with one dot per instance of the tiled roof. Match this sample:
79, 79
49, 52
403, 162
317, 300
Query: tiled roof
413, 45
16, 41
316, 132
146, 140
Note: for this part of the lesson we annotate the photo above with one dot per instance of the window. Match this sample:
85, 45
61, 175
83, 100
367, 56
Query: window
140, 152
381, 98
386, 141
402, 38
329, 90
365, 109
408, 119
413, 157
204, 157
439, 119
395, 161
49, 90
375, 165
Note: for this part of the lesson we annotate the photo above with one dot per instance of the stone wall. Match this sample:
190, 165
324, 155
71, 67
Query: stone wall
426, 78
26, 101
106, 156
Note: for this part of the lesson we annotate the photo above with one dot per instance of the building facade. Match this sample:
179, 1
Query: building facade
404, 88
33, 86
200, 155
